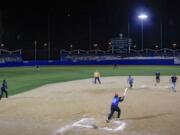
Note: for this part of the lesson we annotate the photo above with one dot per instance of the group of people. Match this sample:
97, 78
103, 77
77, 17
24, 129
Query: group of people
4, 89
173, 80
116, 99
130, 80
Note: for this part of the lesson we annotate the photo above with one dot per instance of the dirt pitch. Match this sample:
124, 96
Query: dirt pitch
52, 109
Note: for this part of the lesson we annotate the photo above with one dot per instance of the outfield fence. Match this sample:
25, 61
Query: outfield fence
104, 62
81, 57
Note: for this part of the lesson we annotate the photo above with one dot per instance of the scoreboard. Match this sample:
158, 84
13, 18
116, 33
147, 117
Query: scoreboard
121, 42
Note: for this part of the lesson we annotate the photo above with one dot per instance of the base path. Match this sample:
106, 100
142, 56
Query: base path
146, 110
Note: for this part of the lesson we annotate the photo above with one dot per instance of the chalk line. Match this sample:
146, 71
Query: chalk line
83, 123
90, 123
120, 126
63, 129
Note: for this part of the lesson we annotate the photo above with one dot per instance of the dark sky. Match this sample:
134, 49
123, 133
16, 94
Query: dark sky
78, 22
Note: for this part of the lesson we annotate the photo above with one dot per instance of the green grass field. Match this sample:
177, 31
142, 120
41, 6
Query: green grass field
22, 79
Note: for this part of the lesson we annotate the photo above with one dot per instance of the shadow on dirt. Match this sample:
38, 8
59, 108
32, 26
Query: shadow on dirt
147, 117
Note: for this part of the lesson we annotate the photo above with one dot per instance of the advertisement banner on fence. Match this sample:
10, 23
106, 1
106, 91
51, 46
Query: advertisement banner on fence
177, 60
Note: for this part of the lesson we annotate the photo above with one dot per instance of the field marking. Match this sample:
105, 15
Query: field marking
89, 123
143, 86
120, 126
63, 129
166, 87
154, 87
84, 122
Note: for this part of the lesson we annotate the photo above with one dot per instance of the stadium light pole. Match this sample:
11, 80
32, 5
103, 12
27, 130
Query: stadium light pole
174, 47
142, 17
90, 32
45, 45
2, 45
35, 51
49, 42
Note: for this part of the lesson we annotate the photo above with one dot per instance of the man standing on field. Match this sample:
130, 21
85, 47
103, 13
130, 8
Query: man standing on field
157, 78
97, 77
130, 81
4, 89
173, 80
115, 107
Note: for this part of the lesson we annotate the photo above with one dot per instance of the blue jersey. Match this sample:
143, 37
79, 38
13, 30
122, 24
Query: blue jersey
116, 101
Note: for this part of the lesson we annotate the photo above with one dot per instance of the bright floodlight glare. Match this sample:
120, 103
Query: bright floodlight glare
142, 16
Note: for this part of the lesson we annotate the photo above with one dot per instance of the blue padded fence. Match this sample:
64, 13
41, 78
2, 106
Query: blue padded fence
105, 62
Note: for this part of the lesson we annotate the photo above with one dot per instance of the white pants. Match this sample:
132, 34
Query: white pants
174, 86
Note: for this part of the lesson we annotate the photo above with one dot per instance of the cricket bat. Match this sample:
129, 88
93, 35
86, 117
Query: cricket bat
125, 92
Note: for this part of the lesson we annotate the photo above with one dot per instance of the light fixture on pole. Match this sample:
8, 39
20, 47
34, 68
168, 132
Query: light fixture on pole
2, 45
156, 46
45, 44
109, 45
95, 45
174, 48
142, 17
71, 46
49, 40
174, 45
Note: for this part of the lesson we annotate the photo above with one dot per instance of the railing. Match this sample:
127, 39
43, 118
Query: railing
125, 52
3, 51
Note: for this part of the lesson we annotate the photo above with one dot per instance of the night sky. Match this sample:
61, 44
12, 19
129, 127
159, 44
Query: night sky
83, 23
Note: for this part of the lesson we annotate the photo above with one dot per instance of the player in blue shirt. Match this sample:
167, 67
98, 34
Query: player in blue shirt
115, 107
